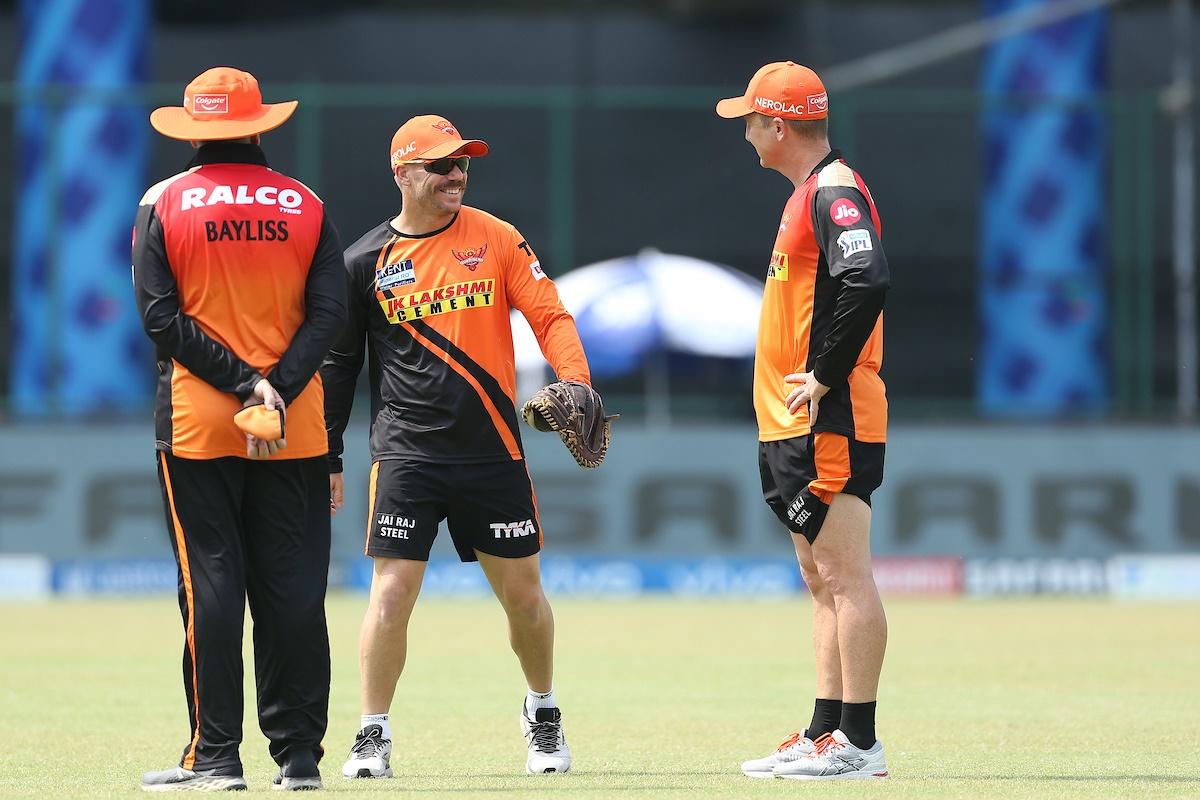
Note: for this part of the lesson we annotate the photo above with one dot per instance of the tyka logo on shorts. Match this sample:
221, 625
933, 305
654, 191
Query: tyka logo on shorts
511, 530
392, 526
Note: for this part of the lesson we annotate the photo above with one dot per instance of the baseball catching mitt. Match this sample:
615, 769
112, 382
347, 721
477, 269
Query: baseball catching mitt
576, 413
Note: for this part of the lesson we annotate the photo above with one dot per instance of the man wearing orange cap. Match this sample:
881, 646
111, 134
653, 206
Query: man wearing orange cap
431, 290
238, 276
822, 412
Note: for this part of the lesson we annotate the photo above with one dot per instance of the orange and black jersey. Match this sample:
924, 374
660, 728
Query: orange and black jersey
822, 309
237, 273
433, 310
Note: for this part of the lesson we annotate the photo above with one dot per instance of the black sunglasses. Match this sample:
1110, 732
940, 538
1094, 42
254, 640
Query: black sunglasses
443, 166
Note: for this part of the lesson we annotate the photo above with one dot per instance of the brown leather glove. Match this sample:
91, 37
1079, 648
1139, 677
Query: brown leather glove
576, 413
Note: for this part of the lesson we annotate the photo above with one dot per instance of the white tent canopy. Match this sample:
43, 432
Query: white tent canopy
652, 302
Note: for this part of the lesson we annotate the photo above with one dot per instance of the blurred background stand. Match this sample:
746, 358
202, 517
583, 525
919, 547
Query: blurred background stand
634, 312
1033, 162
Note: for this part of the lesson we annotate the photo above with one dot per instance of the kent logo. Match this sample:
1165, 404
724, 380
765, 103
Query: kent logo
400, 273
510, 530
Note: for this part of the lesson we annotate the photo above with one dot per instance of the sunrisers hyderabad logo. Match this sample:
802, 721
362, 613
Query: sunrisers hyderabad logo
445, 127
470, 258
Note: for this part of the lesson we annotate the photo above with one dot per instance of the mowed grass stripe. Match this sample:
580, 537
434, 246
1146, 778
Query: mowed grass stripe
661, 699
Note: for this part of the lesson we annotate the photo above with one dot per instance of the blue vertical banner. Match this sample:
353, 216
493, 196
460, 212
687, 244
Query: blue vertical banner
1044, 262
82, 146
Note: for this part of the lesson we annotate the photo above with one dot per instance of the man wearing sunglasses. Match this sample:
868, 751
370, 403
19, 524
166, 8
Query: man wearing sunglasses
431, 290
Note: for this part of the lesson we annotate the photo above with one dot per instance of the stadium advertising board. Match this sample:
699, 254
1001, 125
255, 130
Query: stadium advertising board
687, 492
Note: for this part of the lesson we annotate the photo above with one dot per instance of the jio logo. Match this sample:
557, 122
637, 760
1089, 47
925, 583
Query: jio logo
844, 212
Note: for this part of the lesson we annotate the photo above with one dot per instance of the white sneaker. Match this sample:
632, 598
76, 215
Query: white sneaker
548, 751
370, 756
835, 758
795, 746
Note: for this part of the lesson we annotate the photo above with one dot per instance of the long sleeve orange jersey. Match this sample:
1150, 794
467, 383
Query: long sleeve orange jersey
434, 312
237, 274
823, 310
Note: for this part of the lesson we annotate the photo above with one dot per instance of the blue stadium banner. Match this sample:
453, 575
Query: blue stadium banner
82, 140
1042, 290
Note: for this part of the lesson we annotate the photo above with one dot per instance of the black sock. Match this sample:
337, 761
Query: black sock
858, 723
826, 716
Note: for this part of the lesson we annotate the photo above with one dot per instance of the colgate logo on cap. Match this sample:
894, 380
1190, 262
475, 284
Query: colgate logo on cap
210, 104
818, 103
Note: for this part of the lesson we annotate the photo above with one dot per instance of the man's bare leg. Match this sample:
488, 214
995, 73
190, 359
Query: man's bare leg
826, 716
517, 583
383, 640
842, 553
382, 649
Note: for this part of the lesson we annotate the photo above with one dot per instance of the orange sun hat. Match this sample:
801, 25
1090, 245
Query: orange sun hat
221, 103
429, 137
782, 89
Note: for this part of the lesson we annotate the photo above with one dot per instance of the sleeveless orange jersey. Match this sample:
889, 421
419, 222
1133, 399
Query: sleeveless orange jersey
435, 311
238, 275
822, 310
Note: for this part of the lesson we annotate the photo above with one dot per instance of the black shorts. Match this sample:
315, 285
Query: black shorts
487, 507
801, 475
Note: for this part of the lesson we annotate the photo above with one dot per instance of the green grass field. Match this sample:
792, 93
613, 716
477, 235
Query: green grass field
662, 699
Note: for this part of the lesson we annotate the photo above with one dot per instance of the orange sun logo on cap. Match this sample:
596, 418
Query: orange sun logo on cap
445, 127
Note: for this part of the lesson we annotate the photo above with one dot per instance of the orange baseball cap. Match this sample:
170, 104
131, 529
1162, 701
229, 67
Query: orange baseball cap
221, 103
430, 137
783, 89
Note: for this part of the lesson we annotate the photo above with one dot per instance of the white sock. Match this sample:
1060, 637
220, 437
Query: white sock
535, 700
378, 719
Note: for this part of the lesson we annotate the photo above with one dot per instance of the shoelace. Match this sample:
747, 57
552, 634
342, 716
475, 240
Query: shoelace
545, 736
791, 740
826, 744
367, 746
